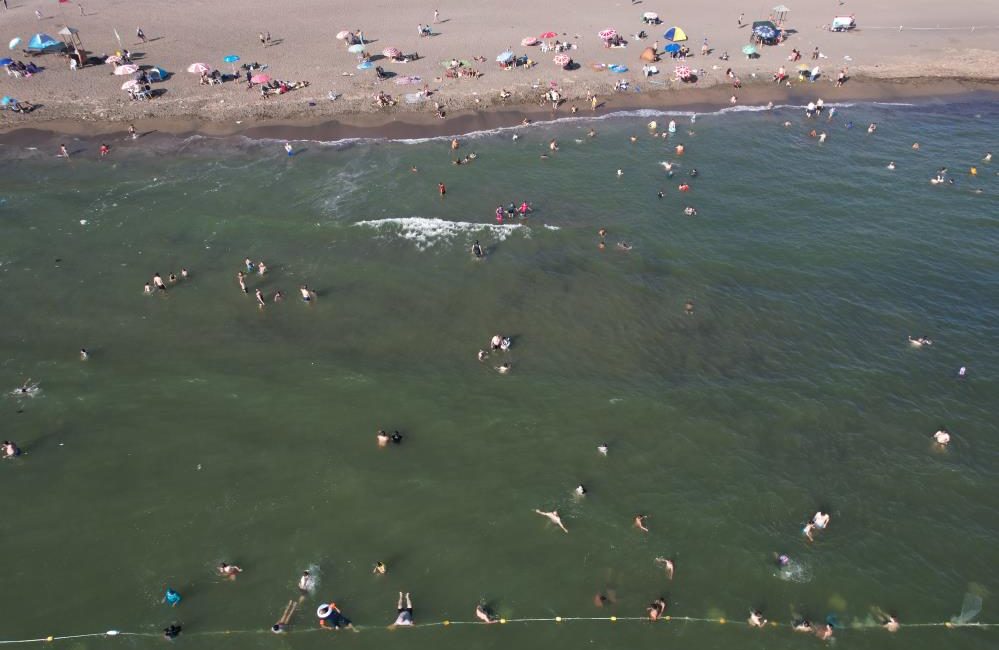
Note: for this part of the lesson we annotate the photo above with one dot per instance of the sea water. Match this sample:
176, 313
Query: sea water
204, 429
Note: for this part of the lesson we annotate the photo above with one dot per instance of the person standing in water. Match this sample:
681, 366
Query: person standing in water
441, 189
260, 298
667, 564
477, 249
289, 149
306, 583
241, 279
63, 151
158, 282
306, 293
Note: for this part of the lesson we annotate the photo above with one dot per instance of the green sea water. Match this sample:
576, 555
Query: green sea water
204, 429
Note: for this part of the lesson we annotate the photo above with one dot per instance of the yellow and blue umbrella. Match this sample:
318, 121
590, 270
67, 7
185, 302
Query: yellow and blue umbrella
675, 34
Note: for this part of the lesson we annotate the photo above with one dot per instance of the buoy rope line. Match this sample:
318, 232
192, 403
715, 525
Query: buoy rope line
501, 621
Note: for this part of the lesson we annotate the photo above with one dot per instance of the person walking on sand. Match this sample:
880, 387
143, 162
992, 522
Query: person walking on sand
554, 518
437, 15
141, 35
80, 5
593, 103
263, 41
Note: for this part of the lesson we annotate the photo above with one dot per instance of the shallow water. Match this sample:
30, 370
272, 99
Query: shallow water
203, 429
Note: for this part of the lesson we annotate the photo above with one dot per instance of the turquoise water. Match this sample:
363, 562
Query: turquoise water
203, 429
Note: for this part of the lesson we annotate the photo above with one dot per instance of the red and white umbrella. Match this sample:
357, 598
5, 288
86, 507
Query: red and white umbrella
114, 58
607, 34
562, 60
547, 35
199, 68
342, 36
126, 69
682, 71
530, 40
131, 83
259, 79
392, 52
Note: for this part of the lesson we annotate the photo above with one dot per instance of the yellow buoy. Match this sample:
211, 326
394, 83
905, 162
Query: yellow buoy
613, 619
446, 623
974, 171
669, 618
502, 620
48, 638
722, 621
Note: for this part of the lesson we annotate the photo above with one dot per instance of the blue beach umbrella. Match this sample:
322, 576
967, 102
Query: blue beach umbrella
505, 57
6, 61
367, 65
617, 69
42, 42
232, 58
672, 48
7, 100
765, 32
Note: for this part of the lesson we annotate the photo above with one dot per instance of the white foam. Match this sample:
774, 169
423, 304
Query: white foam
426, 232
548, 227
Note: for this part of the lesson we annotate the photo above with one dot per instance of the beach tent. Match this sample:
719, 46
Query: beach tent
675, 34
44, 43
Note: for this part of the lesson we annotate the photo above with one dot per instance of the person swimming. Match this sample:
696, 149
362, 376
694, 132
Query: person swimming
891, 165
802, 625
496, 342
306, 583
504, 368
942, 437
305, 292
505, 343
249, 265
229, 571
602, 449
782, 559
396, 438
891, 624
172, 631
693, 173
660, 194
667, 565
9, 449
27, 389
962, 372
639, 523
656, 609
756, 618
477, 249
171, 597
84, 355
920, 341
379, 568
624, 246
580, 490
688, 307
331, 618
382, 438
690, 211
404, 615
554, 518
821, 520
483, 355
483, 614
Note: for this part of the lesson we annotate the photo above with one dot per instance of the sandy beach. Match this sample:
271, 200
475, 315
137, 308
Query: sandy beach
897, 50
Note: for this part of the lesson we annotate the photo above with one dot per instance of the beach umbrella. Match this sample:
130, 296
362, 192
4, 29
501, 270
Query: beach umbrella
504, 57
648, 55
530, 40
131, 83
672, 47
6, 61
675, 34
113, 59
259, 79
749, 50
342, 36
650, 15
199, 68
803, 66
14, 42
391, 52
765, 32
562, 60
126, 69
7, 100
232, 58
682, 71
607, 34
43, 42
617, 68
356, 48
548, 35
365, 65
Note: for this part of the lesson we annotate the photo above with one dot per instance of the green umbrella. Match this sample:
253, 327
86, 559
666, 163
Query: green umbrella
749, 50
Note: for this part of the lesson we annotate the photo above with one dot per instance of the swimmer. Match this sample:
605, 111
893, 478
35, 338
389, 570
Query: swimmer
261, 267
477, 249
505, 343
962, 372
331, 618
639, 522
553, 145
591, 133
260, 297
821, 520
667, 566
483, 355
148, 288
601, 245
891, 624
782, 559
825, 632
580, 490
679, 149
63, 152
988, 157
171, 631
804, 625
915, 146
9, 449
306, 583
942, 438
289, 149
822, 137
27, 389
454, 144
158, 282
756, 619
171, 597
660, 194
633, 139
683, 187
229, 571
891, 165
807, 531
379, 568
404, 615
693, 173
515, 137
306, 293
872, 127
656, 609
184, 273
623, 246
278, 296
396, 438
787, 124
382, 438
602, 232
84, 355
602, 449
282, 623
503, 368
688, 307
620, 173
483, 614
172, 279
920, 341
241, 279
495, 342
413, 169
689, 211
554, 518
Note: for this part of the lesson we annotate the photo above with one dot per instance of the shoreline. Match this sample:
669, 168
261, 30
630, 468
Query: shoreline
411, 124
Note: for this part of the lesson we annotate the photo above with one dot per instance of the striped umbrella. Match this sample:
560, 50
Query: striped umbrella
392, 52
199, 68
530, 40
682, 72
607, 34
562, 60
